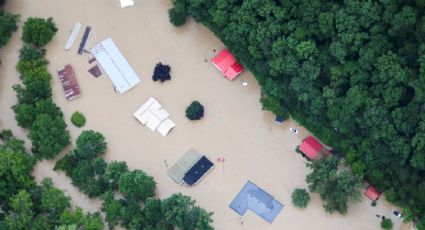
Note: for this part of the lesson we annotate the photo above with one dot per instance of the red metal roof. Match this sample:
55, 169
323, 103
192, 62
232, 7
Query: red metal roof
69, 82
227, 64
371, 193
311, 147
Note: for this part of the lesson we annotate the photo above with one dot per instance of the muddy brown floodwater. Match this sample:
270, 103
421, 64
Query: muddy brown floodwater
234, 126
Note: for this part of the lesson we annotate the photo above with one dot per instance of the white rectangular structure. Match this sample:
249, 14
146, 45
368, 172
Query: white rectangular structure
126, 3
115, 65
73, 36
154, 117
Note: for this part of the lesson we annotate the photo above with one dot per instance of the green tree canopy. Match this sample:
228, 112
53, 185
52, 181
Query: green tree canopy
26, 114
70, 220
87, 176
49, 136
136, 185
30, 52
38, 31
53, 201
181, 211
90, 144
15, 170
8, 25
334, 182
178, 13
21, 214
112, 208
84, 164
113, 173
152, 211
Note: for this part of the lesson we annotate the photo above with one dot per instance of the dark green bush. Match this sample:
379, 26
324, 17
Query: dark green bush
176, 18
195, 111
300, 198
178, 13
78, 119
8, 25
386, 223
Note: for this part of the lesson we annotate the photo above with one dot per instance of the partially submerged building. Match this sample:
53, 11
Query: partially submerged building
371, 193
311, 148
69, 82
253, 198
73, 36
112, 61
126, 3
198, 170
190, 168
154, 117
227, 64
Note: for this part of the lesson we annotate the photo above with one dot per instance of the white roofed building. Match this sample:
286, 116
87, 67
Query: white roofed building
154, 117
115, 65
126, 3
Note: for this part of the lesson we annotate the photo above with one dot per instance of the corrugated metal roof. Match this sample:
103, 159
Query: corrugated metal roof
115, 65
311, 147
227, 64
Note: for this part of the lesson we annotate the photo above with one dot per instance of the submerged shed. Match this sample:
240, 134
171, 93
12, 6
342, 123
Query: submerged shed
371, 193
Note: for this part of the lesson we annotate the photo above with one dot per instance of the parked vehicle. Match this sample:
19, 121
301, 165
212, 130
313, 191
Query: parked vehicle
398, 214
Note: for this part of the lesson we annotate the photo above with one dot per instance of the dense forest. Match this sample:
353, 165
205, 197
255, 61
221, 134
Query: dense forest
352, 72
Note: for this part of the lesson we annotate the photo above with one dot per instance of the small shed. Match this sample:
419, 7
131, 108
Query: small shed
278, 120
73, 36
312, 147
371, 193
227, 64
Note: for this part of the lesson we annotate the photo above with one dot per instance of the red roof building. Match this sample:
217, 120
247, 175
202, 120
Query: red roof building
371, 193
312, 147
227, 64
69, 83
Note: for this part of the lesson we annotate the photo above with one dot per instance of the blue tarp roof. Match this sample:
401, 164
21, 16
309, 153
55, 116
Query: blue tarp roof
257, 200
